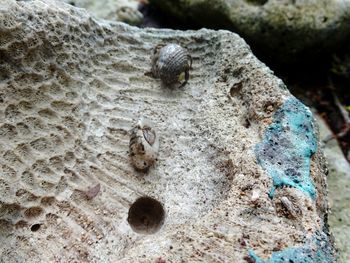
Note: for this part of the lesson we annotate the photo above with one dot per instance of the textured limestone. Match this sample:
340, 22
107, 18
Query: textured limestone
284, 29
72, 88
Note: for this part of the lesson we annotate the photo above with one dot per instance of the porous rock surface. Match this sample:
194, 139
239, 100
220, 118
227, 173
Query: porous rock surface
284, 29
71, 89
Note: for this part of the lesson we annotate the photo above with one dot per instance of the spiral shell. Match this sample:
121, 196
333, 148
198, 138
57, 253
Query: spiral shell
169, 62
144, 145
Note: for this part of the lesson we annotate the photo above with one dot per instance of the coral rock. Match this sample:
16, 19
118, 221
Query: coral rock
71, 87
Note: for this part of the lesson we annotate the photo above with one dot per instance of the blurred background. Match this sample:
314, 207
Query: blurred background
305, 42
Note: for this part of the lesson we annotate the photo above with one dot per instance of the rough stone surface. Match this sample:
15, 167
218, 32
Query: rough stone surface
115, 10
285, 29
72, 88
339, 194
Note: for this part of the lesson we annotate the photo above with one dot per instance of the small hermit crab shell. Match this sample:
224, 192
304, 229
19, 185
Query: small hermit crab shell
169, 62
144, 145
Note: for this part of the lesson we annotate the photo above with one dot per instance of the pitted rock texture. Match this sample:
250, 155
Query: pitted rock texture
71, 90
287, 30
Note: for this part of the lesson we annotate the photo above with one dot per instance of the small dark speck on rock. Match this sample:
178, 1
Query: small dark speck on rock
249, 259
35, 227
93, 191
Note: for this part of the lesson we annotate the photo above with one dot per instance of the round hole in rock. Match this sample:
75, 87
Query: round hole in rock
35, 227
146, 215
235, 89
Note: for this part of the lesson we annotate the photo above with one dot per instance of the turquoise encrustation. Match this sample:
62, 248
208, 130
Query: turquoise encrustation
287, 146
316, 249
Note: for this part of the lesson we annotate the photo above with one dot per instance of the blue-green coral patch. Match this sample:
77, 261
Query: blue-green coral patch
317, 249
287, 147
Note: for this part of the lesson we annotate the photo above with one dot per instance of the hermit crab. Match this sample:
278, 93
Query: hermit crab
169, 62
144, 145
